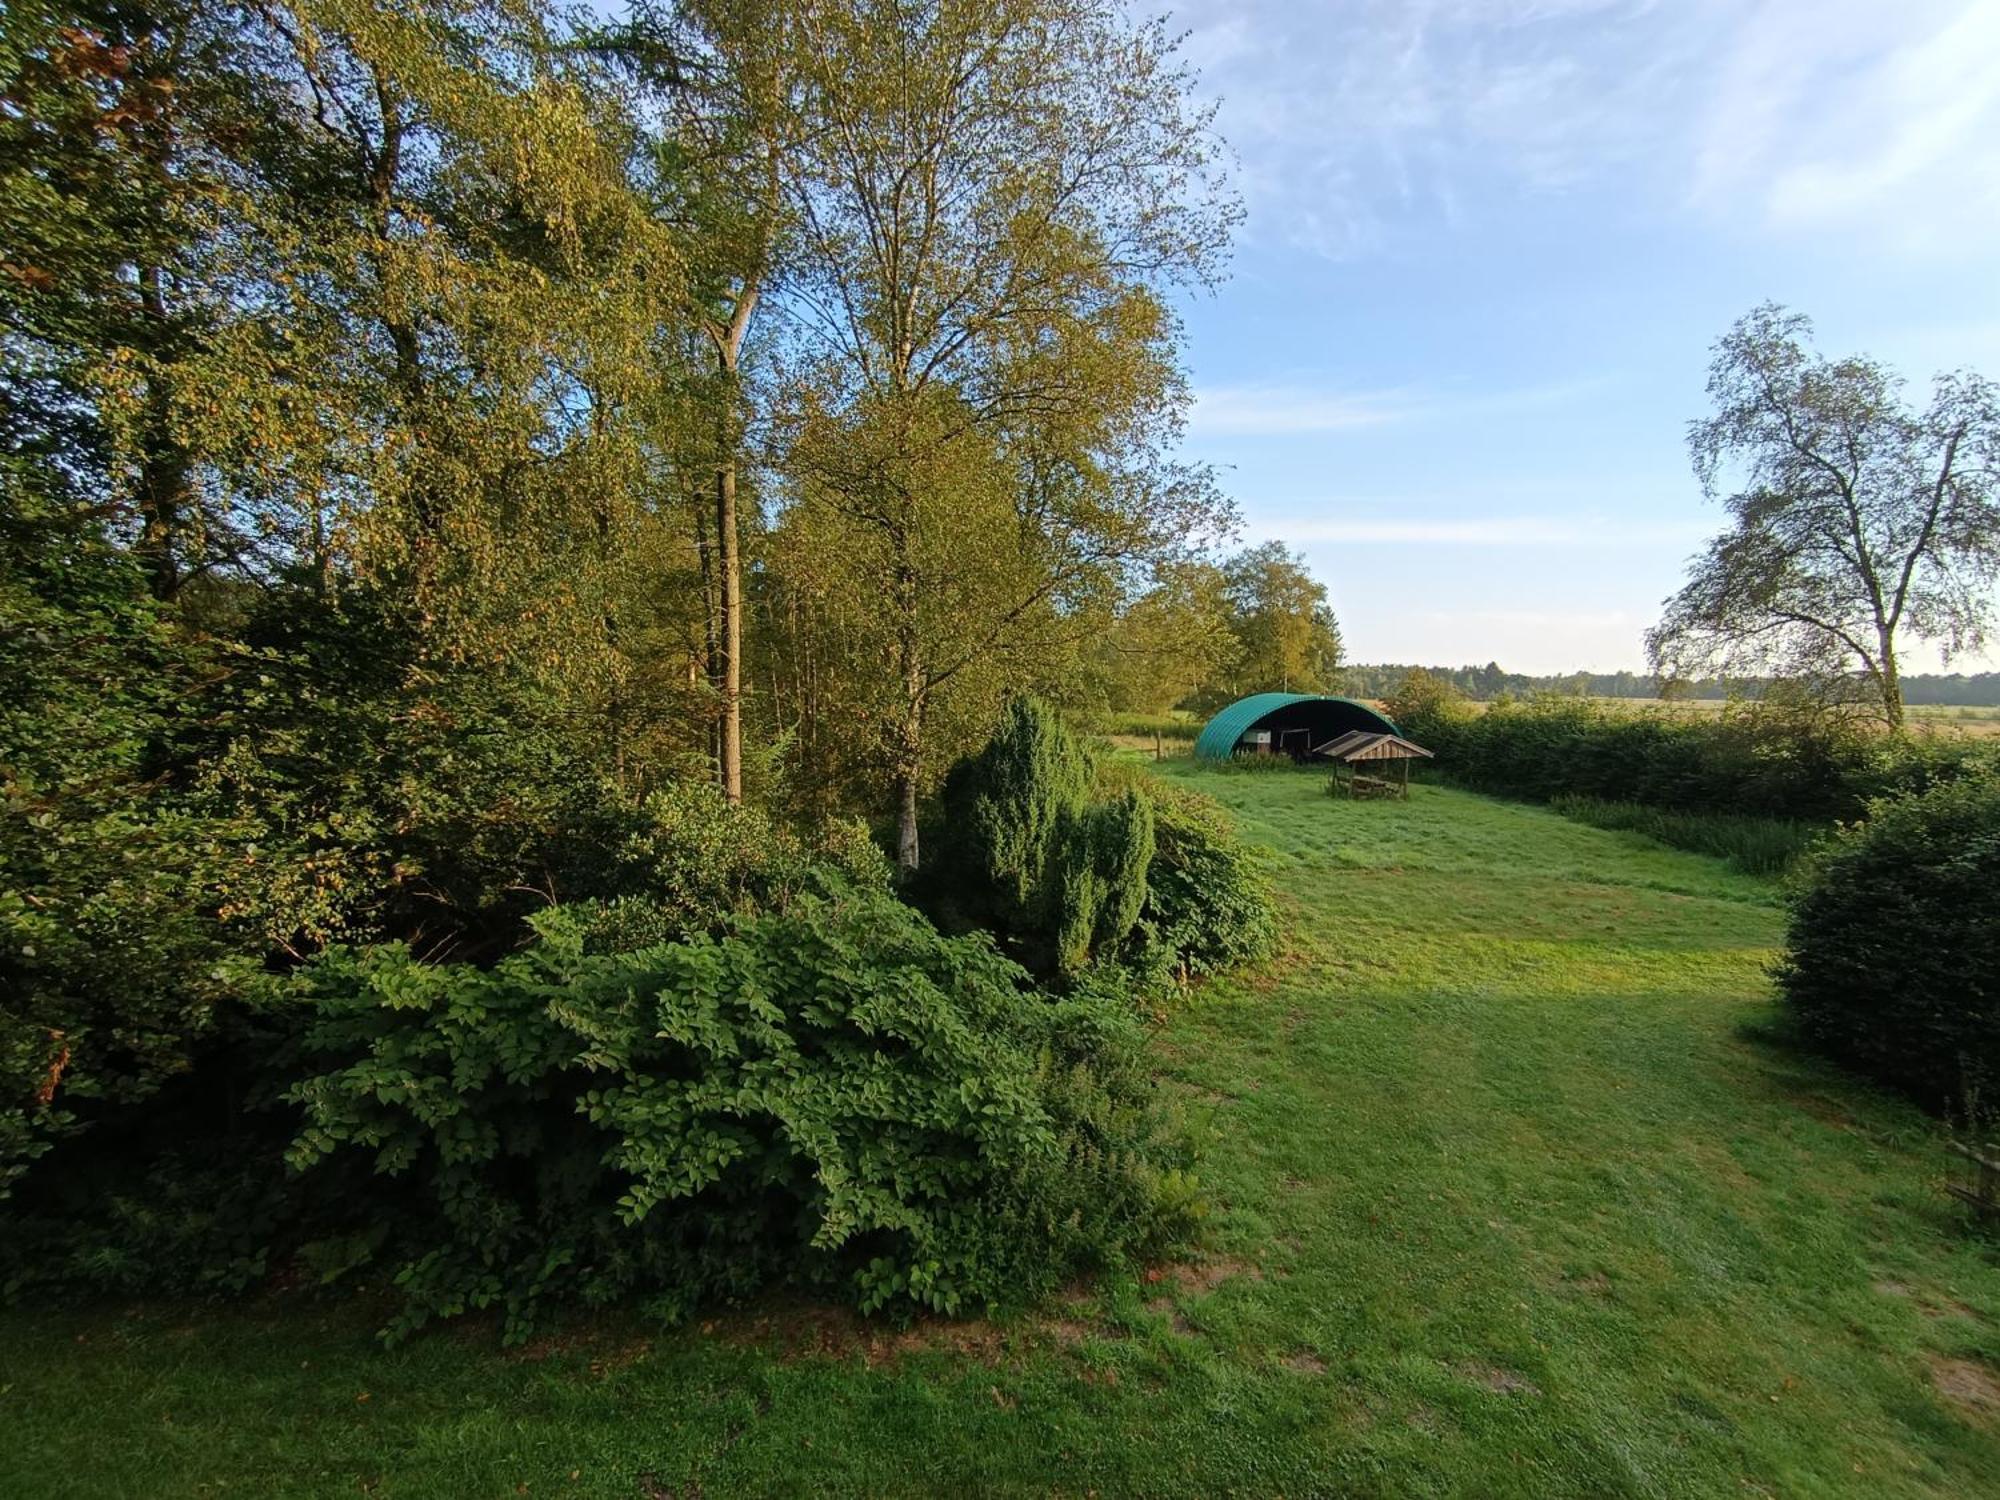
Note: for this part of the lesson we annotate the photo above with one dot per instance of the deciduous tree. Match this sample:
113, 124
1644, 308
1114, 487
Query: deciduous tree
1857, 520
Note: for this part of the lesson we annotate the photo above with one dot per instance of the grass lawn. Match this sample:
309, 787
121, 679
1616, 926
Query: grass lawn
1508, 1202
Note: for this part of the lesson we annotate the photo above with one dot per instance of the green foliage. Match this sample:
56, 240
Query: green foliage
1425, 703
836, 1093
1777, 760
1757, 846
1106, 850
1208, 907
1178, 730
1284, 633
692, 861
1036, 848
110, 968
1013, 804
1892, 958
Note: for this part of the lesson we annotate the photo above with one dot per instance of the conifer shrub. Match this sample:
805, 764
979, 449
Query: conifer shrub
1208, 906
836, 1094
1106, 851
1033, 850
1892, 959
1011, 806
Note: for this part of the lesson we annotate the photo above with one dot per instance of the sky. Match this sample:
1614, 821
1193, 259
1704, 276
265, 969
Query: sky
1488, 244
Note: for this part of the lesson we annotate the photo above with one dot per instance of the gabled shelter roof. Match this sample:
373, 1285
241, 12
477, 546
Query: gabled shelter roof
1360, 745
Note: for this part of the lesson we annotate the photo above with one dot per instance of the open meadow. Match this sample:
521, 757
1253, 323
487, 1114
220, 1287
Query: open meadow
1509, 1198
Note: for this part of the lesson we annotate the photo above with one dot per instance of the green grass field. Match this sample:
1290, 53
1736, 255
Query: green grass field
1509, 1202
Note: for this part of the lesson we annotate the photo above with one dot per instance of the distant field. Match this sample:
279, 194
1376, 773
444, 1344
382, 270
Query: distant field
1954, 718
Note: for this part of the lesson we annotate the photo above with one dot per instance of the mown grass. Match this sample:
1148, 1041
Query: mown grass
1509, 1202
1758, 846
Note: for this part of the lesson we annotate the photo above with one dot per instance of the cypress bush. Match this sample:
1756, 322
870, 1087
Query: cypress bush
1033, 851
1208, 907
1015, 801
1106, 850
1892, 959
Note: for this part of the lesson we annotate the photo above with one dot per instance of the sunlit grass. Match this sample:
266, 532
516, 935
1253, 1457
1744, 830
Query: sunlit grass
1508, 1203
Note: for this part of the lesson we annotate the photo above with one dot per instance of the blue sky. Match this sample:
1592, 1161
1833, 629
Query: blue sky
1489, 243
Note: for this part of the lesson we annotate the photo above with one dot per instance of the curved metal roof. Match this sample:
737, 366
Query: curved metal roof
1218, 737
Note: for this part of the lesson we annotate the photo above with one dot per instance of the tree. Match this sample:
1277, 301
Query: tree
1286, 638
991, 202
723, 72
1857, 521
1165, 643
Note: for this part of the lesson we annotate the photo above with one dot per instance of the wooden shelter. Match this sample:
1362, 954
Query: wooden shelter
1359, 748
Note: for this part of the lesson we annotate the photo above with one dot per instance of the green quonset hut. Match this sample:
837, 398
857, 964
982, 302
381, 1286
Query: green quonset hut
1292, 724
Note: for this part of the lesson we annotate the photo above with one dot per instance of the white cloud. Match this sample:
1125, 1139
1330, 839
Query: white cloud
1355, 121
1271, 410
1293, 408
1472, 531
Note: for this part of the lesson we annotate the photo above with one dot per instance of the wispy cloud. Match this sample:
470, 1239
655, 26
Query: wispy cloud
1274, 410
1294, 408
1472, 531
1358, 120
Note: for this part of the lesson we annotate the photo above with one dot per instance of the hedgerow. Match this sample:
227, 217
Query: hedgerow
1772, 760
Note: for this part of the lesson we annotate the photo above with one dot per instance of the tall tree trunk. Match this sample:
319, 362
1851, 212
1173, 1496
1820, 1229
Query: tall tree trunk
729, 589
163, 471
1889, 679
906, 821
711, 616
908, 760
728, 549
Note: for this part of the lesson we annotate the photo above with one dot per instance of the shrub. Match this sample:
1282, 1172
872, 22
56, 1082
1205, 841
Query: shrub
1013, 802
691, 861
1892, 960
1207, 907
835, 1093
1106, 850
1032, 849
111, 970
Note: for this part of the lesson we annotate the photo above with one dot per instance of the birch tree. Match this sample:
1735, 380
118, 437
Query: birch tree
992, 201
1858, 522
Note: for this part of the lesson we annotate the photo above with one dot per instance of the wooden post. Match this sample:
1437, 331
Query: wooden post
1159, 751
1982, 1197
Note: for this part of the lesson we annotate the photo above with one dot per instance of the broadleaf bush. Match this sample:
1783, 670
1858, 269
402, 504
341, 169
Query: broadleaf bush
1892, 958
835, 1094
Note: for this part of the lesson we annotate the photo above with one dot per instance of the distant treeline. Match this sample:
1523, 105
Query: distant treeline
1978, 689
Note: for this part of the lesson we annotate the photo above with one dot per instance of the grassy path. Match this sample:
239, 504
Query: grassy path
1508, 1204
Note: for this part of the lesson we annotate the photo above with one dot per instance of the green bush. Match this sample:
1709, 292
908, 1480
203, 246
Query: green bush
1208, 907
837, 1094
691, 861
1032, 848
1106, 850
1892, 960
112, 965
